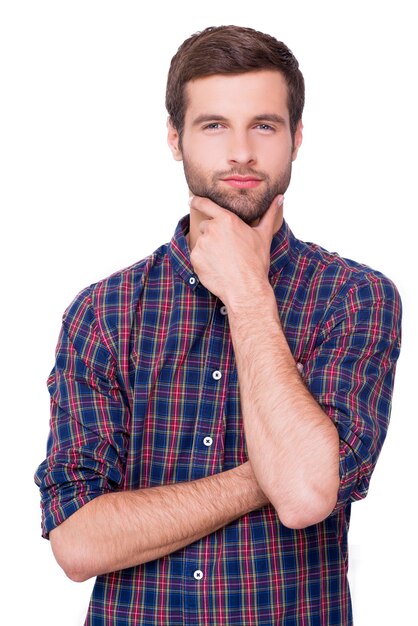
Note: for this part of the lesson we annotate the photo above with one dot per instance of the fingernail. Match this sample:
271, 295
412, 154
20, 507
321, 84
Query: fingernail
191, 200
280, 200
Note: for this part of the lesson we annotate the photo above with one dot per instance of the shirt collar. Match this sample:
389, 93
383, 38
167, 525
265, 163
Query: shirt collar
281, 248
179, 252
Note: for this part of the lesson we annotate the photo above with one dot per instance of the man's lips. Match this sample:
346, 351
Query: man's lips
242, 182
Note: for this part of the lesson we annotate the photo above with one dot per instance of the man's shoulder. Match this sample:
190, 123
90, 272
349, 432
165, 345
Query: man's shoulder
132, 274
332, 271
308, 251
120, 291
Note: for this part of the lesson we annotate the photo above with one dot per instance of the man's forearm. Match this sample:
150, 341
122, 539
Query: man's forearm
119, 530
292, 444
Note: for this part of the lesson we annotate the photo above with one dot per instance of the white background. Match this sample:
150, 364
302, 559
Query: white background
88, 186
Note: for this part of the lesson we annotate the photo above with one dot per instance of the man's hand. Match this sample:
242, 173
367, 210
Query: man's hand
231, 258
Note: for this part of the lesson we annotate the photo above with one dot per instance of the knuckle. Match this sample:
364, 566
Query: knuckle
229, 217
194, 202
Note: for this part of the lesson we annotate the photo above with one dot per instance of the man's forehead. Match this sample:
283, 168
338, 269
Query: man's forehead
269, 77
256, 93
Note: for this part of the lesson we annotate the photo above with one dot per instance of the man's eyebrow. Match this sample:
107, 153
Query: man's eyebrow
264, 117
270, 117
207, 117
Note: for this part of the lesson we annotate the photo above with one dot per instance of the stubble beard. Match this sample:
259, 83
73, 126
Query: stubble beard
248, 204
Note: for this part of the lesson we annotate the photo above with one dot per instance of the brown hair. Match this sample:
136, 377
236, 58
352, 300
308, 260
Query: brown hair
231, 50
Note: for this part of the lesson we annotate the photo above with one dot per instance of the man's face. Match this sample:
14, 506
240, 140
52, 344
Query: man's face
237, 148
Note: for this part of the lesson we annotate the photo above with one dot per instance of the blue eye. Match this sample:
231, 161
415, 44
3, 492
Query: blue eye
213, 126
265, 127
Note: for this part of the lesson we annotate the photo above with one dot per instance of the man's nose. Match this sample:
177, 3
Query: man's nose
241, 149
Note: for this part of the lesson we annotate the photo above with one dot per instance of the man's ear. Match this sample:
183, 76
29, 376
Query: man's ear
173, 141
297, 142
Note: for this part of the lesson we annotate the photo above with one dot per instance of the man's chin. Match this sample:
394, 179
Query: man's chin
247, 209
247, 213
251, 220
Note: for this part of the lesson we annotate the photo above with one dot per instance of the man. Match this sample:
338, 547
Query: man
217, 406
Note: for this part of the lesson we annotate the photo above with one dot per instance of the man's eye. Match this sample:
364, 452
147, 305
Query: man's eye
213, 126
265, 127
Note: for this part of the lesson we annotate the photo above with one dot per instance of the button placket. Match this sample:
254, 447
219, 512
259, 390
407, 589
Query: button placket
207, 446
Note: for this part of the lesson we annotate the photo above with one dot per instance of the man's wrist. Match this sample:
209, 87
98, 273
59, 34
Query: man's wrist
250, 485
252, 303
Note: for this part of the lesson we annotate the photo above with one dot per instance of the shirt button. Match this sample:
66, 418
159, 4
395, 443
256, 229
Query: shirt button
198, 574
223, 310
216, 375
208, 441
192, 280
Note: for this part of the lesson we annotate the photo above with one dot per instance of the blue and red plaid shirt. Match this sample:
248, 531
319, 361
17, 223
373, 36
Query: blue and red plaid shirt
135, 405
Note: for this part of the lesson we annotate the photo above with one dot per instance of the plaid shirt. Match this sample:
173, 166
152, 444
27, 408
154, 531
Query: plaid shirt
135, 404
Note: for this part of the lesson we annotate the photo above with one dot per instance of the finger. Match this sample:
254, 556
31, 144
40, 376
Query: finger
206, 206
203, 226
268, 222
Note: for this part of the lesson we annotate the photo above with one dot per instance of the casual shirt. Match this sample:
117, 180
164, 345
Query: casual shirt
145, 392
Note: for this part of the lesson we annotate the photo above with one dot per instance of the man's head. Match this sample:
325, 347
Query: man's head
235, 98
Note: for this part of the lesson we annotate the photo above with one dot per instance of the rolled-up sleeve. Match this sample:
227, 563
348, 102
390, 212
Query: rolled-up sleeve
88, 439
351, 375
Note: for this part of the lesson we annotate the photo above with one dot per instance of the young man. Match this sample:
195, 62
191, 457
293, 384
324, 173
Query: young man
217, 406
